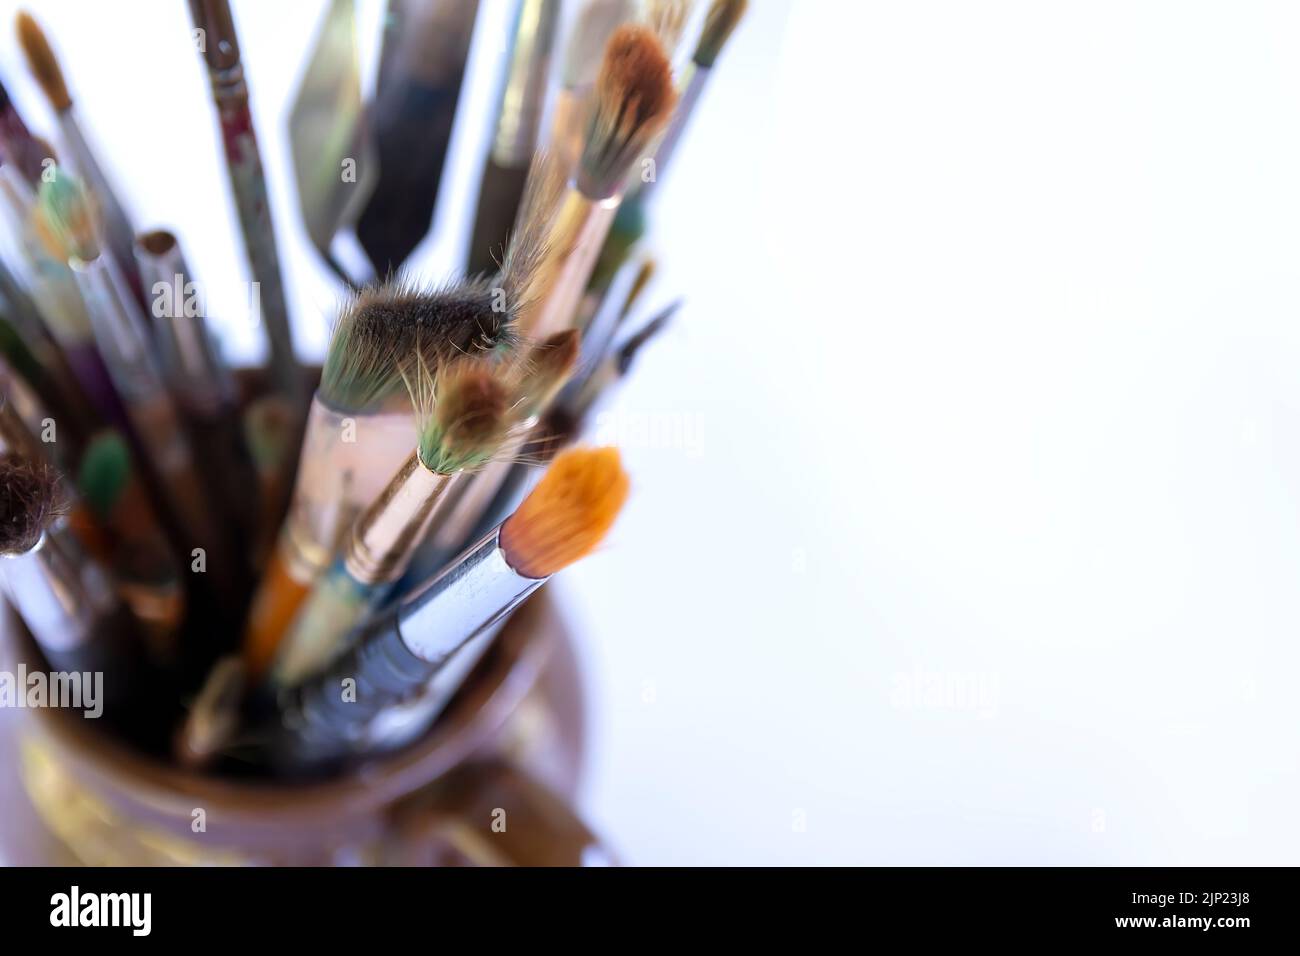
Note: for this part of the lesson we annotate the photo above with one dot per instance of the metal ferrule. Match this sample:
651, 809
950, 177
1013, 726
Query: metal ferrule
525, 90
469, 597
387, 533
113, 315
191, 363
60, 594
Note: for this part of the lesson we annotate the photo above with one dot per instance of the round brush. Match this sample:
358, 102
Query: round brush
632, 102
422, 647
462, 422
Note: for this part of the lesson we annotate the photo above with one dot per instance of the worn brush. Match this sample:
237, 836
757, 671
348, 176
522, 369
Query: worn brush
360, 429
463, 420
425, 645
545, 371
118, 234
633, 100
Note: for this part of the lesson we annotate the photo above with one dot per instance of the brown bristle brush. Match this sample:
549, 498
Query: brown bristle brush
632, 103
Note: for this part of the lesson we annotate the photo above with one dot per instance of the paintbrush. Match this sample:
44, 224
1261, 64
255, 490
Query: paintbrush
17, 145
463, 420
360, 430
719, 23
118, 233
632, 101
58, 301
68, 214
545, 370
422, 647
597, 21
414, 111
515, 138
200, 382
248, 183
63, 596
630, 223
616, 366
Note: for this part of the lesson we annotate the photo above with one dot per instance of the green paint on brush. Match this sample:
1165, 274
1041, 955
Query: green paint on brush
67, 210
462, 421
105, 473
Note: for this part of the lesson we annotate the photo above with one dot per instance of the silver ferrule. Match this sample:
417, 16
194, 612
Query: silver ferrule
469, 597
525, 90
114, 316
61, 595
190, 361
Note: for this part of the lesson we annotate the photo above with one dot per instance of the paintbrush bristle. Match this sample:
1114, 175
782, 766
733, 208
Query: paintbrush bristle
42, 61
633, 100
668, 18
66, 219
29, 502
463, 416
568, 514
721, 20
384, 327
546, 369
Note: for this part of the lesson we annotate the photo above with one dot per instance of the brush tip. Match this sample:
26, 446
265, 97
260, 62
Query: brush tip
721, 20
383, 326
546, 369
29, 501
568, 514
634, 98
42, 62
468, 420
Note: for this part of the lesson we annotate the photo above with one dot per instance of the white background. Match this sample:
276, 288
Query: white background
965, 524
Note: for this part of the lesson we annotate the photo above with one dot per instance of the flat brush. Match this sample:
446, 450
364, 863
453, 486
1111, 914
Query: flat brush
423, 646
515, 138
360, 430
546, 369
65, 598
462, 423
118, 233
248, 183
633, 100
156, 425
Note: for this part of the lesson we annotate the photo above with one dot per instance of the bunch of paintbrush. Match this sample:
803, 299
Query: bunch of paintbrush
435, 403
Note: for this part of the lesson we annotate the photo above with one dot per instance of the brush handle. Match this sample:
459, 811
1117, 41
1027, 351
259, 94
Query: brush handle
498, 202
321, 625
